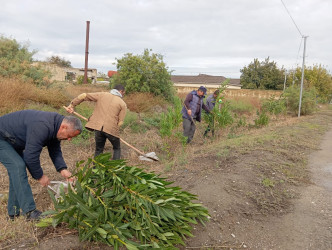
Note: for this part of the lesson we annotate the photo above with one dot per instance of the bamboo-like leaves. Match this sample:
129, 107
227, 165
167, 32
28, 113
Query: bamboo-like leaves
123, 205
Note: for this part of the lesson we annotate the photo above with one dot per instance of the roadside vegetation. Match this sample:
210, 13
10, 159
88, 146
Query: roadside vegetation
259, 142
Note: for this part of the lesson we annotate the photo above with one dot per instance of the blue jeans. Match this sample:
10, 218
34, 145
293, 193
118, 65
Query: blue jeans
20, 194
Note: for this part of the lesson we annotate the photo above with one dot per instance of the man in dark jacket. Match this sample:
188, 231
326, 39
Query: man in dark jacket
192, 111
23, 134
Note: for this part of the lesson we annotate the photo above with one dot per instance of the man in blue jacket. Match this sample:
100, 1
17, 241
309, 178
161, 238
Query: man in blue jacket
192, 111
23, 134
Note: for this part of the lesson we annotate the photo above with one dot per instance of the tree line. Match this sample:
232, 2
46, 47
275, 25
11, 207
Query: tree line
149, 73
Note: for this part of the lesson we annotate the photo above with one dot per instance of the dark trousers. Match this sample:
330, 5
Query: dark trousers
100, 138
208, 129
189, 128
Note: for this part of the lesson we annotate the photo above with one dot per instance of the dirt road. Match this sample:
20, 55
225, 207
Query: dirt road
309, 226
306, 223
309, 223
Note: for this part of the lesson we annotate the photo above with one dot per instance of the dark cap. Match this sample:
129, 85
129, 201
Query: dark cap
203, 89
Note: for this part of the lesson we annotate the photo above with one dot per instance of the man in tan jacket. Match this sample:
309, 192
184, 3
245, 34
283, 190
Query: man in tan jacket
107, 117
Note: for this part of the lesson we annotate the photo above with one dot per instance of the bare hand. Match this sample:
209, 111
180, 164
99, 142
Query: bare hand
70, 109
67, 175
44, 181
189, 112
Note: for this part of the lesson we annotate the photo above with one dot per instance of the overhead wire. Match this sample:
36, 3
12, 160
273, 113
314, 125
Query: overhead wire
291, 18
297, 58
302, 37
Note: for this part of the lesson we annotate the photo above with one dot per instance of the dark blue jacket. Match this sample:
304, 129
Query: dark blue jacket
28, 131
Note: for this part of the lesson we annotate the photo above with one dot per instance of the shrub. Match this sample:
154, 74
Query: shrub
262, 120
241, 122
16, 61
171, 119
80, 80
273, 106
153, 121
291, 97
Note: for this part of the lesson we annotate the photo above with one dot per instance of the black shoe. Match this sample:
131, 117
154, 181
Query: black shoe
13, 217
33, 215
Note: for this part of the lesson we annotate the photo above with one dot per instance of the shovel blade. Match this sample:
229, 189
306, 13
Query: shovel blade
151, 156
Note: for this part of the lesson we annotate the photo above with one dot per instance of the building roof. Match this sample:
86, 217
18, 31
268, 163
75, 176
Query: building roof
203, 79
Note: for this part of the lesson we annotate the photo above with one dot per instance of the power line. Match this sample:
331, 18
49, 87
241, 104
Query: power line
292, 18
298, 52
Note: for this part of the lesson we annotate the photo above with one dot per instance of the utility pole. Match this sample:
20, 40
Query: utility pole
303, 65
85, 81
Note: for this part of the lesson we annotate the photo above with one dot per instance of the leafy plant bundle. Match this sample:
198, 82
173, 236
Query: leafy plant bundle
122, 205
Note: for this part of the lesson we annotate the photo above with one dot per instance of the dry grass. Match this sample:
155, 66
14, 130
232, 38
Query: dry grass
74, 90
17, 95
17, 232
143, 102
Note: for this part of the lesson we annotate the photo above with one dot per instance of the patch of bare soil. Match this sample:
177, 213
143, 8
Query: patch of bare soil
264, 189
293, 212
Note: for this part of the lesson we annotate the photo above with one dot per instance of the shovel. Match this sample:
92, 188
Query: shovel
151, 156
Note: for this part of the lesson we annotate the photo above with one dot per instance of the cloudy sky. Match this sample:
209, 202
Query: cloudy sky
217, 37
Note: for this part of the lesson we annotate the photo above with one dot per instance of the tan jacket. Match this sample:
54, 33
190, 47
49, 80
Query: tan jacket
108, 114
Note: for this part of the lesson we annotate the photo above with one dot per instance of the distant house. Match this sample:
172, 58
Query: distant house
203, 79
67, 74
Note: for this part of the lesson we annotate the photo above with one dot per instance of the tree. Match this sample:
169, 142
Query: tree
144, 73
316, 76
262, 75
16, 60
61, 62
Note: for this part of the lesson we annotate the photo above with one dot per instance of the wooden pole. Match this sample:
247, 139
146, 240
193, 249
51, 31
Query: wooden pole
86, 53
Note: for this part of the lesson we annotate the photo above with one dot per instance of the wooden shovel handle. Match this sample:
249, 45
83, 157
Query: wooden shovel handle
77, 114
188, 113
131, 146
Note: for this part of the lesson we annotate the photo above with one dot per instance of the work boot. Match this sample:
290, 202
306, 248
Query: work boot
33, 215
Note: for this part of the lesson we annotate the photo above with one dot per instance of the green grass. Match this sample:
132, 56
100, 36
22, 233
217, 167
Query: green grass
241, 106
267, 182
